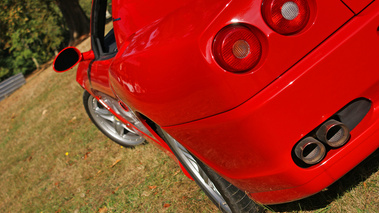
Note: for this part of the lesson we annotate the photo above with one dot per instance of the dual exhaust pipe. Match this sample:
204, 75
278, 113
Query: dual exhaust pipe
311, 150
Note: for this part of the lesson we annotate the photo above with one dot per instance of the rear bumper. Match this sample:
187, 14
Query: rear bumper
251, 144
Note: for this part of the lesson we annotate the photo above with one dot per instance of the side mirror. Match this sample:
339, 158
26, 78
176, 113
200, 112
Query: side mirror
67, 59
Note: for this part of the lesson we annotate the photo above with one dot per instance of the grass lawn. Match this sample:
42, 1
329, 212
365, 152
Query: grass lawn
52, 159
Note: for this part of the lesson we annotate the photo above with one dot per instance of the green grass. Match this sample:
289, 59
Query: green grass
53, 159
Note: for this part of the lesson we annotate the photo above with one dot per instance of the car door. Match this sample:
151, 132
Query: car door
103, 44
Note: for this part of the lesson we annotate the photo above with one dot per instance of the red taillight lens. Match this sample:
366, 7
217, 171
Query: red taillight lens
284, 16
236, 48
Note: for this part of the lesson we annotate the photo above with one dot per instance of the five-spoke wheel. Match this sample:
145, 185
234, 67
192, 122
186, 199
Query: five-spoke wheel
107, 123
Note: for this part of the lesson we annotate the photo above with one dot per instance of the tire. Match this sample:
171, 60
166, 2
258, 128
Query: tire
108, 124
223, 194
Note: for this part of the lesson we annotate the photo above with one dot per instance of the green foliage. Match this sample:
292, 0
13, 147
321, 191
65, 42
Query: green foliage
31, 32
86, 6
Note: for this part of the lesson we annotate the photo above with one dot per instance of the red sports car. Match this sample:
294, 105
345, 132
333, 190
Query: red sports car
262, 102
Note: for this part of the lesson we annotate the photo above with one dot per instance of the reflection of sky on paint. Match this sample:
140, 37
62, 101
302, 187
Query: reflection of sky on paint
134, 88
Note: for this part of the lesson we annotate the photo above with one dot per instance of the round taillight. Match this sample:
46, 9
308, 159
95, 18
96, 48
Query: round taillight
286, 16
236, 48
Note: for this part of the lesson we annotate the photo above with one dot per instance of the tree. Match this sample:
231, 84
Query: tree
76, 20
31, 31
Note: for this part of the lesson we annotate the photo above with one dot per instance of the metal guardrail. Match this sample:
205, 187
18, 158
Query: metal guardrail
10, 85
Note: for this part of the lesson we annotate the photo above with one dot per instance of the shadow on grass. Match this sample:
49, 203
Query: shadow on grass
320, 200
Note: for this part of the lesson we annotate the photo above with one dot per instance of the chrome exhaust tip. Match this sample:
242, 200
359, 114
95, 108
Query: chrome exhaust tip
310, 150
333, 133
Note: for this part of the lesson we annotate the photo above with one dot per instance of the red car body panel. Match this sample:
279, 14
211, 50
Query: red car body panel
244, 126
357, 6
263, 130
82, 76
149, 74
100, 76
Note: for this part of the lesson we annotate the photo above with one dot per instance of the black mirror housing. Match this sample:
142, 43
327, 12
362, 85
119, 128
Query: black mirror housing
67, 59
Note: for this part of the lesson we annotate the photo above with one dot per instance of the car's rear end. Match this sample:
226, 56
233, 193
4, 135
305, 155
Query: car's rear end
279, 97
